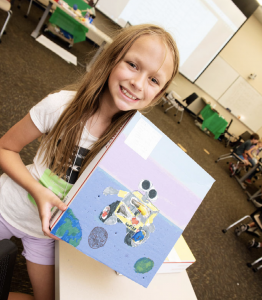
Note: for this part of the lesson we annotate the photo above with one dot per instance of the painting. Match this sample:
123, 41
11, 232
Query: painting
136, 202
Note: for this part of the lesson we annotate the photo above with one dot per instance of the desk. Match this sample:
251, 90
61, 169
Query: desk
90, 27
176, 96
247, 174
213, 122
79, 276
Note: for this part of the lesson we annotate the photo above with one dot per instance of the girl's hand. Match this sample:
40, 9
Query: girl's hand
46, 200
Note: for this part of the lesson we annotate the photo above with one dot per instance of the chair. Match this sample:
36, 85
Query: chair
6, 6
224, 137
254, 217
191, 98
242, 137
231, 154
29, 8
245, 136
194, 111
41, 3
254, 263
8, 251
171, 100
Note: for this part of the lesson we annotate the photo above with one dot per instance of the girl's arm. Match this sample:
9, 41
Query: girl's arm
21, 134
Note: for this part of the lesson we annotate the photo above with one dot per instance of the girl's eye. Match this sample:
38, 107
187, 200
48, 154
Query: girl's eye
132, 65
154, 80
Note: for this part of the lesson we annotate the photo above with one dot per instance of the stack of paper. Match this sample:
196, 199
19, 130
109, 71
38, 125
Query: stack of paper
178, 259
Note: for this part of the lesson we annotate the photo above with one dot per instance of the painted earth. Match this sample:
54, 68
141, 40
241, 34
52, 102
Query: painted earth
144, 265
69, 230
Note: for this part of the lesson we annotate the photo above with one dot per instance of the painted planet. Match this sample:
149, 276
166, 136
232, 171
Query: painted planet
69, 229
97, 237
143, 265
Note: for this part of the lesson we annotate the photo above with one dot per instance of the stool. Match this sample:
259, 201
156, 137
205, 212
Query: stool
6, 6
8, 251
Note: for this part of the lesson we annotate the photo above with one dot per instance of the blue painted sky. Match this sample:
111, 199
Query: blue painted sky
87, 207
174, 160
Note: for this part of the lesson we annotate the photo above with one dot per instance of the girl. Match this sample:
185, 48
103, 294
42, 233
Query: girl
131, 74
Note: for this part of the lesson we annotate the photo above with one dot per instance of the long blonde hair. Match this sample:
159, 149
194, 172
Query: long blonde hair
58, 146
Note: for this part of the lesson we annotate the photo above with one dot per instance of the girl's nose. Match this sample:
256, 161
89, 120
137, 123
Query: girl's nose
138, 81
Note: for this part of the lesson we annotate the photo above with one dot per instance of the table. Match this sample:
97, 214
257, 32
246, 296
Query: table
246, 175
212, 121
175, 94
79, 276
92, 28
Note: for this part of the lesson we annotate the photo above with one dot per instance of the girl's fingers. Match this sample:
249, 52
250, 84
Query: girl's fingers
54, 237
59, 204
45, 213
46, 228
62, 206
45, 225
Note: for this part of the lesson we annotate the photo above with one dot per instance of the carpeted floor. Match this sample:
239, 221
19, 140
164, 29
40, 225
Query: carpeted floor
29, 71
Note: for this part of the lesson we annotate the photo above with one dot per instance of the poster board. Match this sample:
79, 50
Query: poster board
133, 201
244, 102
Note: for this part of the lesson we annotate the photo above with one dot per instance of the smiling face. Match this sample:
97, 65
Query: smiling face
141, 75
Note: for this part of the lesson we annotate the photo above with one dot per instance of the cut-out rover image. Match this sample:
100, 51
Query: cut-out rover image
136, 211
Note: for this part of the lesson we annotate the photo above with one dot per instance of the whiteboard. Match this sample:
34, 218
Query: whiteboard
217, 78
244, 101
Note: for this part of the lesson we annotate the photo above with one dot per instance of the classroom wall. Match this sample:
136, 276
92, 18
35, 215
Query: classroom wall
244, 54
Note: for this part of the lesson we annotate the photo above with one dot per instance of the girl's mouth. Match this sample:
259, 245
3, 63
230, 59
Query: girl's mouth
127, 94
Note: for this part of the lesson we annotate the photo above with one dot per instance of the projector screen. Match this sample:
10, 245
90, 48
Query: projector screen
201, 28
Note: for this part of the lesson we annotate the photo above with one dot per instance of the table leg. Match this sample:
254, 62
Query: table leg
35, 33
57, 275
246, 175
100, 49
203, 126
255, 195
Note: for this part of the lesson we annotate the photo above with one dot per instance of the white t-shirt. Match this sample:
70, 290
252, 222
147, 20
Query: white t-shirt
16, 206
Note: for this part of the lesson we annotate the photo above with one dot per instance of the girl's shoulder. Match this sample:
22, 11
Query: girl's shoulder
60, 98
54, 102
46, 113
